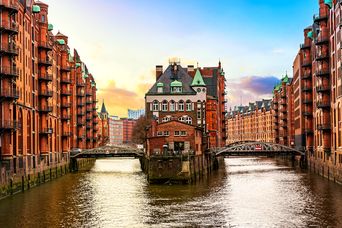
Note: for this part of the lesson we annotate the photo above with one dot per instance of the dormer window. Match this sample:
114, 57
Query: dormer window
176, 86
160, 87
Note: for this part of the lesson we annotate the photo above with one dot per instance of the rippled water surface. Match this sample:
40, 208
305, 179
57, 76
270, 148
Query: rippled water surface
247, 192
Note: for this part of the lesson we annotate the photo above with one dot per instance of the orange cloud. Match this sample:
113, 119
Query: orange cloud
118, 100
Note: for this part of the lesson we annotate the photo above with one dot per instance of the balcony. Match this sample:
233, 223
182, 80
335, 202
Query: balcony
10, 6
46, 131
65, 80
283, 118
81, 113
283, 109
45, 93
306, 75
89, 109
306, 88
89, 94
323, 127
45, 45
283, 94
80, 104
306, 63
322, 73
323, 104
89, 102
323, 88
80, 137
66, 117
321, 40
94, 108
9, 49
305, 46
45, 108
10, 27
320, 17
66, 104
95, 121
45, 77
96, 101
9, 94
308, 131
275, 101
7, 71
45, 62
80, 94
89, 125
80, 84
89, 138
307, 101
66, 92
66, 134
65, 68
308, 114
80, 123
8, 125
322, 56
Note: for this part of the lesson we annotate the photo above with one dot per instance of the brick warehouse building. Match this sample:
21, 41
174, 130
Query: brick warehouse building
46, 93
184, 103
321, 74
253, 122
307, 108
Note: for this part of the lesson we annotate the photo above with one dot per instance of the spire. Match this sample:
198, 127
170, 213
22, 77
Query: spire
198, 79
219, 63
103, 108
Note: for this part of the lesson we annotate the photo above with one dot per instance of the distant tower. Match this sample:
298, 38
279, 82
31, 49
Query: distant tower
105, 124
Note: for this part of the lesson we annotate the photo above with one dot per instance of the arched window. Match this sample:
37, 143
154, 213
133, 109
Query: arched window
155, 105
166, 119
181, 105
164, 106
188, 105
172, 106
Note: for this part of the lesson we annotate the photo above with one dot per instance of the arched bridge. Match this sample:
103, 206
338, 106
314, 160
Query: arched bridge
108, 151
254, 148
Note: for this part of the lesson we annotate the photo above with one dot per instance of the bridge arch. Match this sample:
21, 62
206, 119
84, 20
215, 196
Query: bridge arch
250, 148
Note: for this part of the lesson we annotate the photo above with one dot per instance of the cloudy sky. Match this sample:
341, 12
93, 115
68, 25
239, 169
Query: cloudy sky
121, 41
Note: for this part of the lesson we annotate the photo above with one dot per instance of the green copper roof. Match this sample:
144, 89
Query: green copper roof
85, 76
176, 83
198, 79
285, 79
78, 64
50, 27
328, 3
61, 41
310, 34
160, 84
35, 9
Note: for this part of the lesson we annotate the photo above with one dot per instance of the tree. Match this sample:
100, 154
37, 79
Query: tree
139, 130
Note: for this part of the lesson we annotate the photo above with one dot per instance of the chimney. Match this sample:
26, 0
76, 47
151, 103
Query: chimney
159, 71
191, 70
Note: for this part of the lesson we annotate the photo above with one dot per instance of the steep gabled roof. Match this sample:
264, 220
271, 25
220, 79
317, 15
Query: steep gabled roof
168, 77
103, 108
198, 79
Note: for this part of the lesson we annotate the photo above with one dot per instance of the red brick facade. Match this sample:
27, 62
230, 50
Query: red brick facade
44, 89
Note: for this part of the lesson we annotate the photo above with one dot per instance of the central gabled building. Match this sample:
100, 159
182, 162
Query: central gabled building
177, 104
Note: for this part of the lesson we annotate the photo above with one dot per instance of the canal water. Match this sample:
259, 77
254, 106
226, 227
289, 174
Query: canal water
247, 192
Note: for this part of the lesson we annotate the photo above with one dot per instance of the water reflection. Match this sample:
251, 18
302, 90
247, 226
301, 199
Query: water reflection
248, 192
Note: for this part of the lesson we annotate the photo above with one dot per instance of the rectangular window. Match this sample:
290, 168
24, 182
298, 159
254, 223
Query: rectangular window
177, 133
159, 133
164, 106
181, 106
166, 133
183, 133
